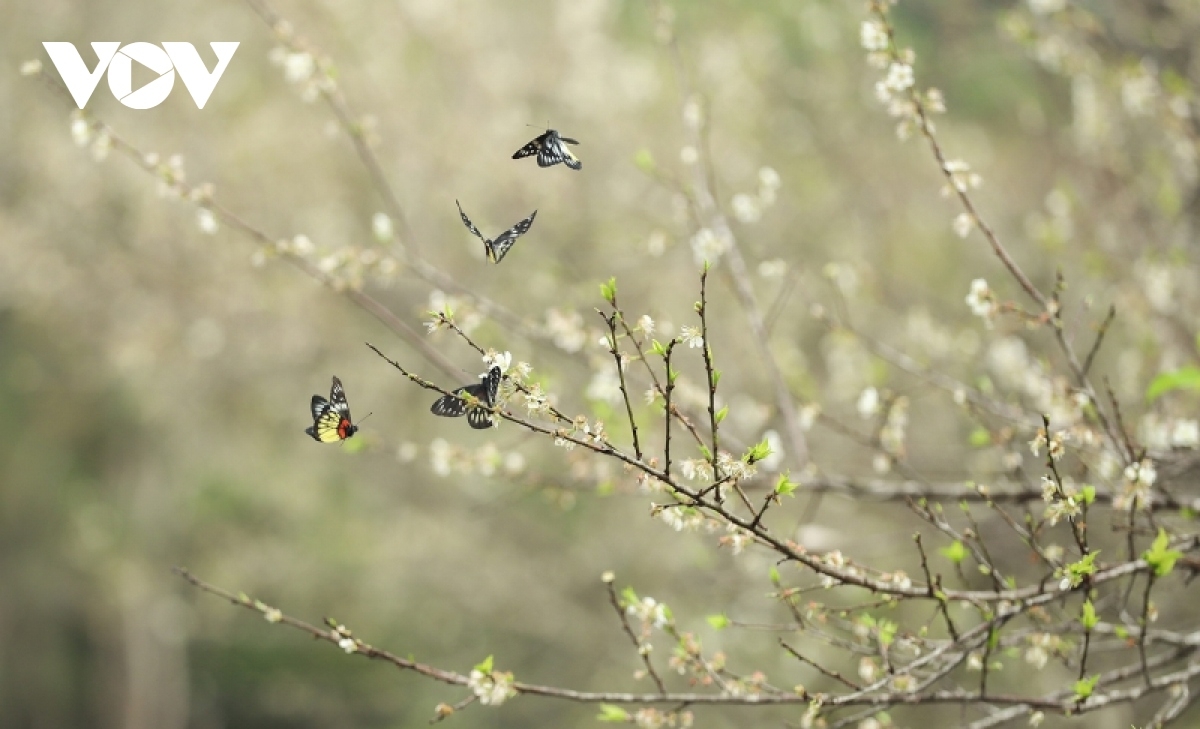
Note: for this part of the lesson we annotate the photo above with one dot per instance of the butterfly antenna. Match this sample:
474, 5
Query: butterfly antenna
364, 418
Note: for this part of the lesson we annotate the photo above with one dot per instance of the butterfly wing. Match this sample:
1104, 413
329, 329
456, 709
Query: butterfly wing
532, 148
480, 418
318, 406
497, 249
337, 399
327, 425
565, 155
454, 406
550, 154
470, 226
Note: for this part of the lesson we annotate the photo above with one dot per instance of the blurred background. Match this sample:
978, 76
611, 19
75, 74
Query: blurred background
156, 375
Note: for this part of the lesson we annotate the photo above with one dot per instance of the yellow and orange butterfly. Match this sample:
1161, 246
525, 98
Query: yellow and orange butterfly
331, 418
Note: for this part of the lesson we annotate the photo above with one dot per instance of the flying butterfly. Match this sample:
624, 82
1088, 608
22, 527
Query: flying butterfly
550, 149
478, 415
496, 249
331, 418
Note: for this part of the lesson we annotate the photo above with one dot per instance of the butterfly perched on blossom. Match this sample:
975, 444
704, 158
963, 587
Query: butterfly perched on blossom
331, 418
550, 150
496, 249
478, 415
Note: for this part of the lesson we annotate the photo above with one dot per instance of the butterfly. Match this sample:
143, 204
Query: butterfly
478, 416
550, 150
496, 249
331, 418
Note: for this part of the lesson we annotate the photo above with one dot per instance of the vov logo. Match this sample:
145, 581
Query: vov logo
118, 61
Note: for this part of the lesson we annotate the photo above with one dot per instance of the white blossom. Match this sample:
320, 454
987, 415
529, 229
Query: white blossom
206, 220
981, 300
963, 224
873, 36
868, 403
382, 228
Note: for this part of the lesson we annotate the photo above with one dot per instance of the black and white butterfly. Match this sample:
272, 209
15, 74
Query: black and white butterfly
331, 418
496, 249
478, 414
550, 150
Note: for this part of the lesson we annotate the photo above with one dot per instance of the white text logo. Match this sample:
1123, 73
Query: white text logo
118, 61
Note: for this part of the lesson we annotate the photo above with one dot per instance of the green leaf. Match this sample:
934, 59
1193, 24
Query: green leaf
955, 552
1121, 632
785, 486
979, 438
354, 445
722, 413
608, 290
887, 632
706, 452
658, 348
757, 452
716, 376
629, 597
1161, 559
611, 713
720, 621
1084, 687
644, 160
1077, 571
485, 666
1184, 378
773, 575
1088, 494
1088, 619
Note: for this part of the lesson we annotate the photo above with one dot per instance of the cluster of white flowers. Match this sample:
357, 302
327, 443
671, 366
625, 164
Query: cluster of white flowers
302, 69
708, 246
492, 358
1041, 646
982, 301
1060, 506
1056, 441
1138, 486
566, 329
493, 688
651, 718
737, 538
446, 458
696, 469
537, 402
748, 207
1161, 433
691, 336
734, 469
605, 386
651, 612
961, 177
679, 518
